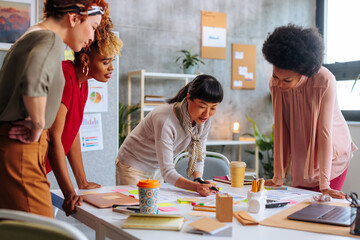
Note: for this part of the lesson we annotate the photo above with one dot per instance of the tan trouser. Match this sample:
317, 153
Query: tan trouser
23, 182
126, 175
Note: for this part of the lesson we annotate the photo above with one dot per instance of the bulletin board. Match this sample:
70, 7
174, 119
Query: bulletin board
243, 66
213, 35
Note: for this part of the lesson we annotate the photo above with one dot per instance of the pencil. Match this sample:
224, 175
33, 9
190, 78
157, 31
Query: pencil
204, 208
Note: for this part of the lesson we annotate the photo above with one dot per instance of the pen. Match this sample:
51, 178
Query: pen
275, 188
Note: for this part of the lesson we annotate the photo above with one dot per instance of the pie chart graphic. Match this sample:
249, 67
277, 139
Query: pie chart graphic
95, 97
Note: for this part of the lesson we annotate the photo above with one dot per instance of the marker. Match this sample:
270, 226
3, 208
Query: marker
275, 188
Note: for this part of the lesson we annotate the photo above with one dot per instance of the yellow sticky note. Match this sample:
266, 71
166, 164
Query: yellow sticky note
166, 204
134, 191
84, 193
111, 197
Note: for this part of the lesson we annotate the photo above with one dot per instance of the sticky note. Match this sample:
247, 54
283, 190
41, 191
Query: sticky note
89, 192
120, 190
167, 209
134, 191
165, 204
292, 202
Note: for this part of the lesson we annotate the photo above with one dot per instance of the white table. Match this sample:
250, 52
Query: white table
239, 143
108, 224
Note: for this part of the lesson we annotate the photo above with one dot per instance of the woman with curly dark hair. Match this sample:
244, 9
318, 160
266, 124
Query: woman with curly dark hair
311, 135
94, 61
31, 85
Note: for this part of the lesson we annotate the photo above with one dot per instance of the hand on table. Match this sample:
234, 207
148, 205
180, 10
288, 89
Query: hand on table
334, 193
269, 182
25, 131
70, 202
204, 189
89, 185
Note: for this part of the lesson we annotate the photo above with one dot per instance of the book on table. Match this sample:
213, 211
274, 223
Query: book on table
172, 222
224, 179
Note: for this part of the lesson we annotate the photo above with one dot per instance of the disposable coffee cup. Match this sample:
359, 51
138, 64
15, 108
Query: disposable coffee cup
237, 173
148, 196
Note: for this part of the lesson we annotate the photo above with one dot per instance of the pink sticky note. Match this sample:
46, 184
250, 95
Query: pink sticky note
120, 190
167, 209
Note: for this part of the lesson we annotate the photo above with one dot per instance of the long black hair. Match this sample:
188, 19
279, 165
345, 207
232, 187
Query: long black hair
204, 87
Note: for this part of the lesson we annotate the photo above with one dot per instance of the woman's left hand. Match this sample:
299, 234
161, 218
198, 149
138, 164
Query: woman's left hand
89, 185
334, 193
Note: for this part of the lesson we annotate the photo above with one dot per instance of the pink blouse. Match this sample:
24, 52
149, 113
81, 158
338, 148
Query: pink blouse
310, 129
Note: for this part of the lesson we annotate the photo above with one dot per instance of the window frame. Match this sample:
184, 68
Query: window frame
344, 70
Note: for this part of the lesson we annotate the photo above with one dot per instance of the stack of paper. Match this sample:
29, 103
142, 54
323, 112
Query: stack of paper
154, 221
208, 226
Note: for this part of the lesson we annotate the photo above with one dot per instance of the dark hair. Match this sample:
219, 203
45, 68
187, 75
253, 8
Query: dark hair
204, 87
295, 48
59, 8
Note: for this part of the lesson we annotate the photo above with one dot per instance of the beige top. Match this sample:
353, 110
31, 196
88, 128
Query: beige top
154, 143
32, 67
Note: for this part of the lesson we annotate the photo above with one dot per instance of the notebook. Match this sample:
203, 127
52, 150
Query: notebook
154, 221
106, 200
321, 213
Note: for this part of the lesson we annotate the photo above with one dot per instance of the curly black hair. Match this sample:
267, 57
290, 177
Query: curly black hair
295, 48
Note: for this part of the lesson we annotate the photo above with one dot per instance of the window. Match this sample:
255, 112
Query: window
338, 22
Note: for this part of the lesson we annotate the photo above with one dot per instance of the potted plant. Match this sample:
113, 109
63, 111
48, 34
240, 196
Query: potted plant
189, 61
124, 112
265, 144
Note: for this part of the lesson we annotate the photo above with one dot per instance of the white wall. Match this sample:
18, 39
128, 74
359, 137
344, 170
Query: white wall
353, 175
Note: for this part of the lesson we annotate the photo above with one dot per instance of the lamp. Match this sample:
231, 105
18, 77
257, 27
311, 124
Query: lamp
236, 131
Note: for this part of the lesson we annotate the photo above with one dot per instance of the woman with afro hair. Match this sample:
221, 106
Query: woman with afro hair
94, 61
311, 137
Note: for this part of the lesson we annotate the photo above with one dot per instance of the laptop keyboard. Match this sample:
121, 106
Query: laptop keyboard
336, 214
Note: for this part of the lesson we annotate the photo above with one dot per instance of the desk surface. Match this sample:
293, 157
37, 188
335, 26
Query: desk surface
108, 223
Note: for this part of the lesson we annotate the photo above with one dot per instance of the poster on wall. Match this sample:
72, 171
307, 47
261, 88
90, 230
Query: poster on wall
97, 97
91, 136
16, 16
213, 35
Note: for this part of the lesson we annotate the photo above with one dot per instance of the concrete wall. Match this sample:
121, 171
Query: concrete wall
154, 31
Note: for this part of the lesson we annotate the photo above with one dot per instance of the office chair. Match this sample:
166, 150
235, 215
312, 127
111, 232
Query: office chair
23, 225
215, 164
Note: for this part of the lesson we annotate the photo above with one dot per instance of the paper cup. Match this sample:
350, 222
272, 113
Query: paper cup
237, 173
148, 196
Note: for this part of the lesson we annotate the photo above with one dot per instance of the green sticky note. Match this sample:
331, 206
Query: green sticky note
166, 204
245, 201
134, 191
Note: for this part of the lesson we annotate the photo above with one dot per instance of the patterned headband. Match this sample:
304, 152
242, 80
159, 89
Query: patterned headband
93, 10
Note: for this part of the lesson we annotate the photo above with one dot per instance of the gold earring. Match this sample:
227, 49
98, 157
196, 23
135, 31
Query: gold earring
85, 70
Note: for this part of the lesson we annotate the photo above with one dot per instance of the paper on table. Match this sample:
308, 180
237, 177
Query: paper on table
208, 225
165, 204
136, 191
120, 190
167, 209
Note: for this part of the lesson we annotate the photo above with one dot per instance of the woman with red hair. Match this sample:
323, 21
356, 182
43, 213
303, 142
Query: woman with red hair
31, 86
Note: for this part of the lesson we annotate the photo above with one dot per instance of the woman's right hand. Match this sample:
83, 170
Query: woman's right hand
70, 202
204, 189
269, 182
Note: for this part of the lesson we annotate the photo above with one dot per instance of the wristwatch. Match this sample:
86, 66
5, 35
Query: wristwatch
199, 180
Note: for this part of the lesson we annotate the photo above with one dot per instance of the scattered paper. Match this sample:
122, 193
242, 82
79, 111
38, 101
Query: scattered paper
136, 191
167, 209
239, 55
214, 37
120, 190
165, 204
238, 83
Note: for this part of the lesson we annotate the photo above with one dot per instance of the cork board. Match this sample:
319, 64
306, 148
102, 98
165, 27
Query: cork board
213, 35
243, 66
